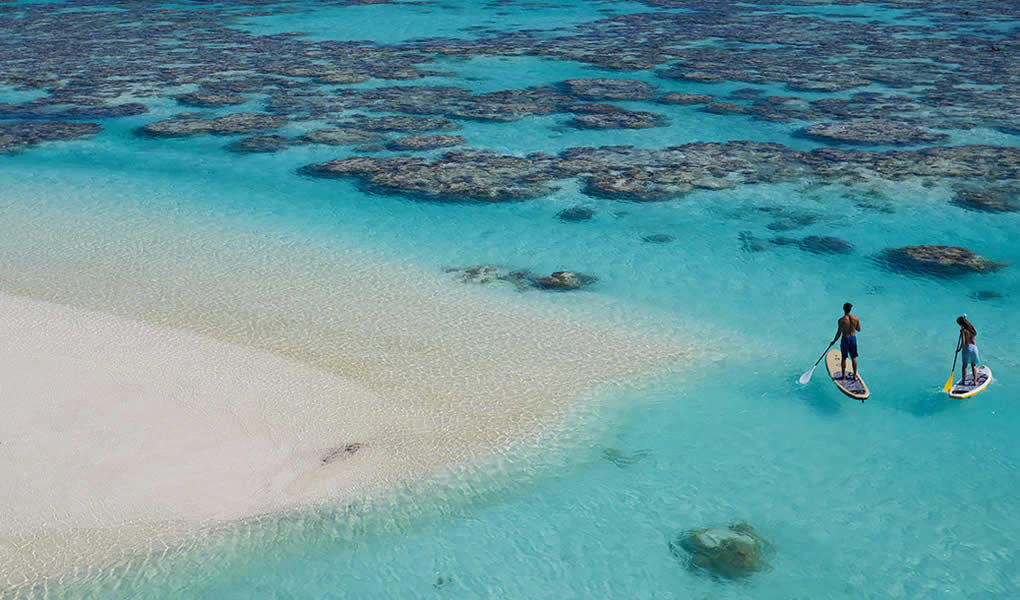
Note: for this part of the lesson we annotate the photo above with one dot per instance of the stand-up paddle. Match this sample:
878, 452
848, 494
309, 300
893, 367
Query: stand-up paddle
949, 382
806, 377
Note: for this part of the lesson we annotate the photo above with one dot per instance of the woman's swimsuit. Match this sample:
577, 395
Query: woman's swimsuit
969, 350
970, 355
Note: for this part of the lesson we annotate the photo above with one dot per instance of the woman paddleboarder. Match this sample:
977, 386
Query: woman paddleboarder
969, 349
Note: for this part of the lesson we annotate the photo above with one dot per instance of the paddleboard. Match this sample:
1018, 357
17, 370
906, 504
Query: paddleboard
970, 388
856, 389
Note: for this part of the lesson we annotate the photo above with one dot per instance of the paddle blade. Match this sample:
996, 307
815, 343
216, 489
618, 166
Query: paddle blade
949, 384
806, 377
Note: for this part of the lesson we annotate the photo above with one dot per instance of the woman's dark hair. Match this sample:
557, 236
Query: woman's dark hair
963, 322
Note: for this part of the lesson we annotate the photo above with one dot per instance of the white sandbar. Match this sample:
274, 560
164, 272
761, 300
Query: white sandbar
163, 370
119, 434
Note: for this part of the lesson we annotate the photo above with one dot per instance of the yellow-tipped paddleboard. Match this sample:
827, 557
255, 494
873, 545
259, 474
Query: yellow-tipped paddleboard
855, 388
984, 377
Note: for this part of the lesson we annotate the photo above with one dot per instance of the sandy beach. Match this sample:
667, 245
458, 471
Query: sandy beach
250, 385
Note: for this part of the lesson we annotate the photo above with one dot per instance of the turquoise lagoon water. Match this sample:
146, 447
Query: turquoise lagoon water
909, 495
448, 19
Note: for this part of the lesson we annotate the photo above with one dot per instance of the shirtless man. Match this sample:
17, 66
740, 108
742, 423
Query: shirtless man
847, 326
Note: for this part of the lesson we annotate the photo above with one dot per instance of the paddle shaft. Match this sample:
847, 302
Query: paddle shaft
834, 341
959, 345
949, 382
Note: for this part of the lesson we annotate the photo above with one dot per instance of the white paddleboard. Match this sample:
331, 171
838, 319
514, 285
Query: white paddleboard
970, 388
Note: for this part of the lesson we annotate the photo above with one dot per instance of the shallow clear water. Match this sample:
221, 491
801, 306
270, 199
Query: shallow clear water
909, 495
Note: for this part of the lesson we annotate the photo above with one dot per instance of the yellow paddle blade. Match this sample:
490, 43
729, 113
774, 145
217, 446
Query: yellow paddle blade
949, 383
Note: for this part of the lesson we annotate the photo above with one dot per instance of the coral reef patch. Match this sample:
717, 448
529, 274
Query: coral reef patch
17, 135
939, 261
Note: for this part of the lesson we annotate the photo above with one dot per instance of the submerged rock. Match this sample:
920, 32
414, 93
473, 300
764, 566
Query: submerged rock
665, 181
681, 98
341, 76
871, 132
750, 243
456, 176
338, 452
826, 245
210, 98
605, 88
636, 187
260, 143
340, 136
424, 142
575, 214
725, 108
819, 84
733, 551
692, 75
986, 295
565, 280
941, 261
618, 458
496, 111
995, 199
784, 241
481, 274
183, 126
402, 123
658, 238
594, 108
793, 222
46, 110
508, 105
869, 203
176, 127
746, 94
522, 279
16, 135
245, 123
621, 119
